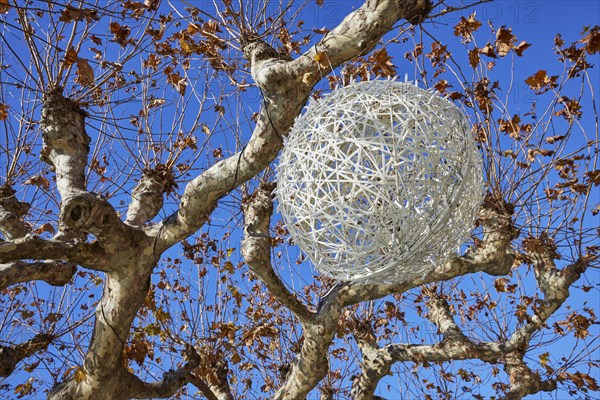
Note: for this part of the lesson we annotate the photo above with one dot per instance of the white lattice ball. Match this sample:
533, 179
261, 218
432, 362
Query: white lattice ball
379, 181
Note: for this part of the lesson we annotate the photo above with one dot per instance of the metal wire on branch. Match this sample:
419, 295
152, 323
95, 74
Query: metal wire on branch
379, 181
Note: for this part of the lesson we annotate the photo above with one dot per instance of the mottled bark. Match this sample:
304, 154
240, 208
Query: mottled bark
66, 143
90, 255
11, 213
523, 381
256, 249
55, 273
146, 199
10, 356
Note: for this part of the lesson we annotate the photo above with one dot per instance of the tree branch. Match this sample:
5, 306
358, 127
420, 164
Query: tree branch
357, 34
90, 255
11, 355
55, 273
66, 144
256, 250
172, 381
210, 377
146, 199
523, 381
11, 211
375, 363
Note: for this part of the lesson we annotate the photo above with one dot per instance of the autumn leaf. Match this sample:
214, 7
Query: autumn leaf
571, 110
442, 85
47, 227
541, 82
79, 375
504, 41
488, 50
474, 58
544, 359
155, 102
382, 63
521, 47
321, 59
466, 26
70, 14
70, 57
554, 139
594, 177
3, 111
511, 126
120, 32
38, 181
178, 82
4, 6
592, 41
228, 266
85, 73
500, 285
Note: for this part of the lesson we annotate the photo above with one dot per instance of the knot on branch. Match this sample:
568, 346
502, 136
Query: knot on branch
258, 50
9, 202
63, 126
11, 212
417, 11
147, 197
10, 356
496, 215
90, 213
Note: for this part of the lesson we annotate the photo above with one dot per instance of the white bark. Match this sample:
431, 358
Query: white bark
11, 212
56, 273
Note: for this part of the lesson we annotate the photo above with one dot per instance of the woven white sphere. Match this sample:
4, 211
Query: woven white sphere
379, 181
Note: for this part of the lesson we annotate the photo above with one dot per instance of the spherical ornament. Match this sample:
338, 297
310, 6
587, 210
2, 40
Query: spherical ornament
379, 181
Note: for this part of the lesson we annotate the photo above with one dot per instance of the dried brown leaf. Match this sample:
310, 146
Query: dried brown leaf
466, 26
85, 73
3, 111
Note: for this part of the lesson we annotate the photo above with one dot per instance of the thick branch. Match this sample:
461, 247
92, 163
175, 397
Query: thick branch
146, 199
66, 144
105, 379
11, 211
55, 273
31, 247
10, 356
172, 381
203, 387
375, 363
312, 364
523, 381
357, 34
90, 213
441, 316
256, 249
211, 376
